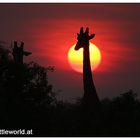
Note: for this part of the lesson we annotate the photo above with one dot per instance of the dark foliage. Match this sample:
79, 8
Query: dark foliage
27, 101
24, 91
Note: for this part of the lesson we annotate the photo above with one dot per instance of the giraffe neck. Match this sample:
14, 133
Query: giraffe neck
89, 87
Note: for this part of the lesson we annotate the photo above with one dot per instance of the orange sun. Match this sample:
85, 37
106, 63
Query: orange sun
75, 58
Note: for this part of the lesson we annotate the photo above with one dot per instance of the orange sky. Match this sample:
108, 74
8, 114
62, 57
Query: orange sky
49, 30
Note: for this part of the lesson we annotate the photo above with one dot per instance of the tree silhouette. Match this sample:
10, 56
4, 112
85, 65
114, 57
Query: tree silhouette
36, 86
24, 88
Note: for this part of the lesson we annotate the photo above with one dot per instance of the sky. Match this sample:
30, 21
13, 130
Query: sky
50, 30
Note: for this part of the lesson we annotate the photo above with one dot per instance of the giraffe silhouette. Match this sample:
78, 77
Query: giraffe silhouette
18, 53
90, 97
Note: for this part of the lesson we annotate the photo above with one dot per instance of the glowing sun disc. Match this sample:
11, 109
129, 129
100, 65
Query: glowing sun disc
75, 58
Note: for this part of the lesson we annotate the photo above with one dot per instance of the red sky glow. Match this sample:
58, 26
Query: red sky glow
49, 30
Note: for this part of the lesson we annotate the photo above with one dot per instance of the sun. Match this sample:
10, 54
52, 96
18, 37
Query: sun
75, 58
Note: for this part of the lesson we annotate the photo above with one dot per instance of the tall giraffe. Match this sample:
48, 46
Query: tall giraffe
90, 97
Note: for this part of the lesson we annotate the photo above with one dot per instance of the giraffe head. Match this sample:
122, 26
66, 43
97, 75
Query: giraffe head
18, 52
83, 38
